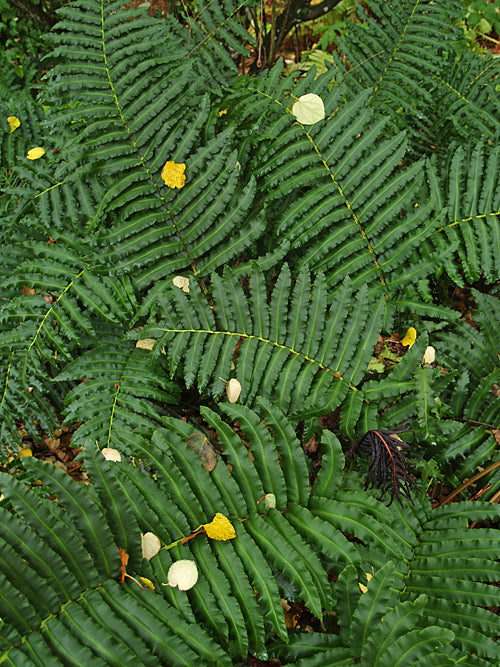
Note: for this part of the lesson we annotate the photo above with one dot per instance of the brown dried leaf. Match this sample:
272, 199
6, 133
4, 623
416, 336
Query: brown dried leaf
202, 446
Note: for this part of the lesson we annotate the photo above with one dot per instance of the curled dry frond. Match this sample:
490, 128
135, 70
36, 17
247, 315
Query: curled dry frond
388, 463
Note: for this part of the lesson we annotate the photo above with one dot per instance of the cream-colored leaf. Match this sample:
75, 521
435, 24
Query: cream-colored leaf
183, 574
309, 109
233, 390
111, 454
270, 501
429, 355
182, 283
150, 545
35, 153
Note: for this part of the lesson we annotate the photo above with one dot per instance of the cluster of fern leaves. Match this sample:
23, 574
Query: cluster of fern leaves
302, 244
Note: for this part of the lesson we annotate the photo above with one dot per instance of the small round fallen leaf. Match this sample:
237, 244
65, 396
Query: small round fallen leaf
309, 109
182, 574
13, 122
35, 153
151, 545
182, 282
233, 390
429, 355
410, 337
111, 454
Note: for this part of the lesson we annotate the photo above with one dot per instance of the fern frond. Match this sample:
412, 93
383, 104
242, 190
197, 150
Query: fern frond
334, 191
469, 192
118, 386
296, 346
134, 119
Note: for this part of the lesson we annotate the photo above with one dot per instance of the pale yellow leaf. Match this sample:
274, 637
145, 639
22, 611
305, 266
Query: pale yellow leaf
270, 501
429, 355
309, 109
146, 343
182, 574
182, 283
111, 454
233, 390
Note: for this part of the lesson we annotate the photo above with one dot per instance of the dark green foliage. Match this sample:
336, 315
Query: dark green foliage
81, 609
302, 244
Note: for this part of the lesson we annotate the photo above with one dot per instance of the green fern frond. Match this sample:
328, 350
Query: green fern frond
334, 191
469, 192
297, 346
119, 386
81, 609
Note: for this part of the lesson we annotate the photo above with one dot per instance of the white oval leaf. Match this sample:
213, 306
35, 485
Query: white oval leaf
233, 390
150, 545
429, 355
183, 574
309, 109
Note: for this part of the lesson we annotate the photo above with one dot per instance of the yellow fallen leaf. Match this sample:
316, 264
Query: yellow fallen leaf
35, 153
410, 337
173, 174
222, 112
220, 528
13, 122
147, 582
26, 452
362, 588
146, 343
